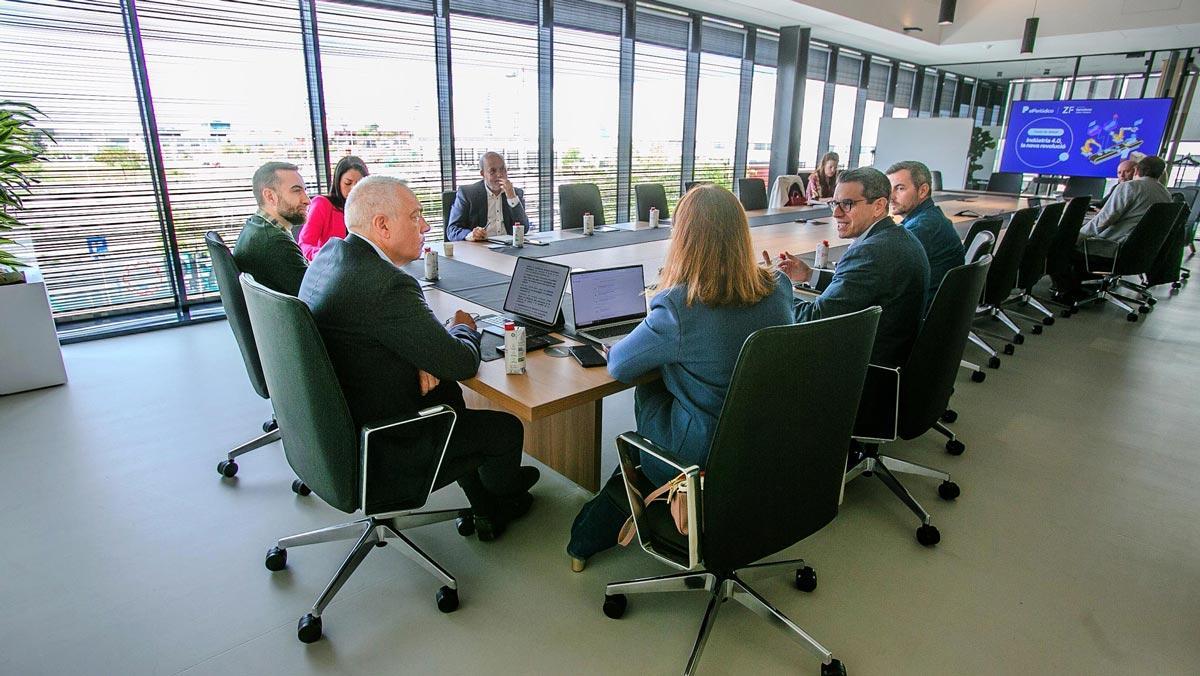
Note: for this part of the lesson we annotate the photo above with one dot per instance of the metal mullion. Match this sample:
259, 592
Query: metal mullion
860, 110
625, 110
741, 140
935, 109
316, 92
546, 114
691, 93
790, 77
914, 107
889, 98
162, 198
445, 86
827, 102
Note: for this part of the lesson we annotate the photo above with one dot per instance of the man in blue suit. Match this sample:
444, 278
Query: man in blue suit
488, 208
885, 266
912, 199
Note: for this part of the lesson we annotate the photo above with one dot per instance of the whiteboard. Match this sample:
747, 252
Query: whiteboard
941, 143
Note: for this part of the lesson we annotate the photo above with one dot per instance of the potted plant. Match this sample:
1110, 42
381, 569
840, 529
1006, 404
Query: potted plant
981, 142
21, 147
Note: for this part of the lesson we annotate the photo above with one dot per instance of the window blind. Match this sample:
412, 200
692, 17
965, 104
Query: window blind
877, 80
589, 15
766, 50
721, 39
904, 86
660, 28
849, 69
524, 11
818, 62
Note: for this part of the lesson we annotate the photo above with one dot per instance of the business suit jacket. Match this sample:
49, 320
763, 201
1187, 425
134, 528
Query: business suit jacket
1126, 205
470, 211
695, 348
267, 252
937, 235
886, 266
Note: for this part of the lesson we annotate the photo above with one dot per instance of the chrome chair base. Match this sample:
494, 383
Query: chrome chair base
228, 467
885, 469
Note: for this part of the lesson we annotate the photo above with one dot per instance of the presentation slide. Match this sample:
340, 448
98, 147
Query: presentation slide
1084, 137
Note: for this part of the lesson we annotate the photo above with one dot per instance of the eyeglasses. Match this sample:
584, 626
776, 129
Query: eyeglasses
845, 205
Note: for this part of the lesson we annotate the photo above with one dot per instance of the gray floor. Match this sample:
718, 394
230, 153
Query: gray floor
1075, 547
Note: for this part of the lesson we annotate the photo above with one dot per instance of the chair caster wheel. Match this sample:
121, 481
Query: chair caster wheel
227, 468
1065, 314
465, 523
1131, 317
993, 362
300, 488
1037, 329
308, 630
978, 376
834, 668
868, 474
447, 599
276, 559
949, 416
614, 606
1009, 348
948, 490
806, 579
928, 535
955, 447
1019, 339
1144, 309
1175, 286
1048, 321
486, 529
1151, 301
270, 426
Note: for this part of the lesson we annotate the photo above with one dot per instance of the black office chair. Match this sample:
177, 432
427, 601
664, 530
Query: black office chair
1005, 182
753, 193
1033, 264
333, 455
1084, 185
804, 180
935, 180
651, 195
1135, 256
688, 185
577, 199
1167, 267
1002, 280
1062, 246
979, 246
1191, 197
773, 475
990, 224
226, 271
447, 202
908, 401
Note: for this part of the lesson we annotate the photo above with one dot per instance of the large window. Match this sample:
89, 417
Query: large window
762, 108
845, 95
394, 129
658, 78
229, 96
905, 80
496, 100
93, 227
877, 88
717, 104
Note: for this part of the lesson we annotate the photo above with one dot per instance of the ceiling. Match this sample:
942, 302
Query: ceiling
984, 30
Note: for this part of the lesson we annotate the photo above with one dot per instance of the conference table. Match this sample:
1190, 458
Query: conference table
561, 402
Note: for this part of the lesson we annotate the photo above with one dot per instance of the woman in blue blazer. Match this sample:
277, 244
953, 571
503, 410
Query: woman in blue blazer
713, 297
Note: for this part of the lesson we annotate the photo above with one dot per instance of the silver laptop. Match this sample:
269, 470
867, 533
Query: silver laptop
608, 303
534, 297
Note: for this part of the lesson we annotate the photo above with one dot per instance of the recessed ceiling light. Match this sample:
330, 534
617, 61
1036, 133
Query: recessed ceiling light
913, 29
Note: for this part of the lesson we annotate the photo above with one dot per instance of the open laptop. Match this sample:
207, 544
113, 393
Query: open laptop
534, 298
609, 303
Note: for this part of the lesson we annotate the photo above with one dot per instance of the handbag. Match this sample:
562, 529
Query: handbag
675, 493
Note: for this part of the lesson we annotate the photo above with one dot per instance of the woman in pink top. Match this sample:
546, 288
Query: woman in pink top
325, 214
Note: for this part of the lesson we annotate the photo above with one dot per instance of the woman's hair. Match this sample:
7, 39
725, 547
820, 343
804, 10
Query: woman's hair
335, 188
710, 253
828, 183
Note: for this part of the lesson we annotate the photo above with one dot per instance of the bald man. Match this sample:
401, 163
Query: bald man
394, 358
492, 207
1125, 173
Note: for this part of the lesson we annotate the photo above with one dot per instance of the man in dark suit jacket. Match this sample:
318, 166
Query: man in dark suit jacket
489, 208
885, 266
393, 357
265, 248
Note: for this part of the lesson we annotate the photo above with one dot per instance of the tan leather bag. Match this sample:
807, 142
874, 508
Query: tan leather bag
675, 493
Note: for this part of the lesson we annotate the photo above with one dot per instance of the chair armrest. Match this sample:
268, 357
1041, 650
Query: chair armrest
631, 443
373, 429
1103, 248
880, 380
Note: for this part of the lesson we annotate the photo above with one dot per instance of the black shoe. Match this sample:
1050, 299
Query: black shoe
526, 478
490, 527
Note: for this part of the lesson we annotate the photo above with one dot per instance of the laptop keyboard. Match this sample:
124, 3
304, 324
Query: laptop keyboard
611, 331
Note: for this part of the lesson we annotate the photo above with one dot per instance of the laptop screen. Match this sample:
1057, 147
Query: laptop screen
536, 290
608, 296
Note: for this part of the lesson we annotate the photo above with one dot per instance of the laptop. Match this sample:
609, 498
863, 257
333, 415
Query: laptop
534, 298
608, 303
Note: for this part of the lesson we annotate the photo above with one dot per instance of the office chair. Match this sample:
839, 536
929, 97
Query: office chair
1191, 197
576, 199
1033, 264
977, 247
990, 225
688, 185
753, 193
908, 401
773, 475
1002, 280
1135, 256
226, 271
1005, 182
334, 456
935, 180
447, 202
1167, 267
1062, 246
1084, 186
651, 195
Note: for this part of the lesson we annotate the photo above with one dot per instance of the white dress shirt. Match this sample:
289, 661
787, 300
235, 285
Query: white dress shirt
495, 217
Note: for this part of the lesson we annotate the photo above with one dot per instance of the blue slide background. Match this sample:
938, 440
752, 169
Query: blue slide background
1084, 137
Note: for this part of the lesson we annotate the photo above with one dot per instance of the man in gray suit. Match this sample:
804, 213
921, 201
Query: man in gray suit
885, 266
489, 208
394, 358
1126, 205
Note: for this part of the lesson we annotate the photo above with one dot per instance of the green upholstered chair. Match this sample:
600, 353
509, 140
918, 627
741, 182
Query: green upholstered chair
753, 193
651, 195
576, 199
773, 475
333, 456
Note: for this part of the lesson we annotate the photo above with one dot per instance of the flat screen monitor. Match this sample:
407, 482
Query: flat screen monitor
536, 289
1083, 137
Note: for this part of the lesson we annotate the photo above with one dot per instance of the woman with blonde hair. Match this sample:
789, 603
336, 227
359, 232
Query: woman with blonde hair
713, 296
822, 181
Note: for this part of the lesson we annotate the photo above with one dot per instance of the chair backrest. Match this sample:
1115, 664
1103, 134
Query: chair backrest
651, 195
1002, 275
990, 224
688, 185
1167, 265
320, 439
226, 271
1005, 181
979, 246
1062, 245
927, 378
447, 202
1191, 198
753, 193
1139, 250
1084, 185
936, 179
775, 466
576, 199
804, 178
1033, 261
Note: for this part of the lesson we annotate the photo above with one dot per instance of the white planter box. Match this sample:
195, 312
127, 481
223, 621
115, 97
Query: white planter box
30, 356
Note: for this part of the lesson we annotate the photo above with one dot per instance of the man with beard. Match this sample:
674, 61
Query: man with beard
266, 249
912, 200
